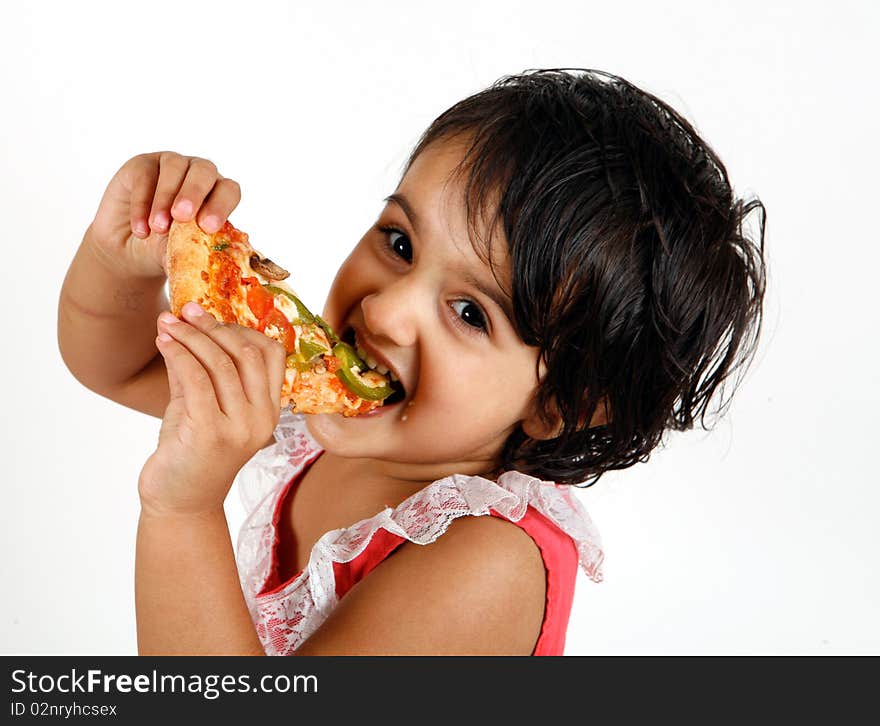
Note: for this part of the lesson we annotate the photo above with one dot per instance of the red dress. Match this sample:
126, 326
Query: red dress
287, 613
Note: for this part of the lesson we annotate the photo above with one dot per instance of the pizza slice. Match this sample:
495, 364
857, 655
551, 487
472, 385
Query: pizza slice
233, 282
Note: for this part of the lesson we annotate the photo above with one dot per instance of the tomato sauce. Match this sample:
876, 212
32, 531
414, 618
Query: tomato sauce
225, 274
332, 363
225, 277
233, 235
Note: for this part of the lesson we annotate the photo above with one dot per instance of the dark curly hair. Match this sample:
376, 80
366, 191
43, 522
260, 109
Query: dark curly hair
630, 268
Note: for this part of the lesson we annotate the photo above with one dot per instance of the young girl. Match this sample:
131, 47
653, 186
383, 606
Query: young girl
560, 276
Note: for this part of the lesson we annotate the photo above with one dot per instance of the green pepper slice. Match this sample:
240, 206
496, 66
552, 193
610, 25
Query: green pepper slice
325, 326
302, 311
348, 359
302, 366
309, 350
347, 356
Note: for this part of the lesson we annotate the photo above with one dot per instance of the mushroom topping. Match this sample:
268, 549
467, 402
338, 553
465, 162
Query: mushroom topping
267, 268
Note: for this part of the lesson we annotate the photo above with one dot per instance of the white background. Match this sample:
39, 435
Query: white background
756, 537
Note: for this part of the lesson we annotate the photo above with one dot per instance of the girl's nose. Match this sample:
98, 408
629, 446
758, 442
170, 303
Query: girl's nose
393, 312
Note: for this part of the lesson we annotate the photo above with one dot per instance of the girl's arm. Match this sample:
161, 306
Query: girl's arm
106, 328
115, 286
187, 593
225, 386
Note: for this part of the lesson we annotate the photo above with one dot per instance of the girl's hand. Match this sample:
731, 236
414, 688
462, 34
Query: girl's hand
225, 382
130, 229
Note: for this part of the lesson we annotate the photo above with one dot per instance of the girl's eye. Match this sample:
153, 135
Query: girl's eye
470, 316
397, 242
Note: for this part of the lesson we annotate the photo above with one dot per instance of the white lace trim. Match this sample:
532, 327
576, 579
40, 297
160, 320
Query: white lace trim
288, 616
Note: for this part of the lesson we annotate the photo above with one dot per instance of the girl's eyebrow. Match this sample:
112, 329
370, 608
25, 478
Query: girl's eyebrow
501, 299
404, 204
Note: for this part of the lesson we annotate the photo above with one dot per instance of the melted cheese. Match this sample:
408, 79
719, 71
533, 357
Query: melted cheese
286, 306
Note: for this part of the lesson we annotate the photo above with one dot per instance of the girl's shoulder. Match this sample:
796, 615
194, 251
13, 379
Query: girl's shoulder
478, 589
457, 581
519, 498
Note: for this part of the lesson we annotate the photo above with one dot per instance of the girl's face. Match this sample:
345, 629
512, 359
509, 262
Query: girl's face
419, 298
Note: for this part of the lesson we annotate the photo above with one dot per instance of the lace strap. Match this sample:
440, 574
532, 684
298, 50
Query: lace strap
427, 514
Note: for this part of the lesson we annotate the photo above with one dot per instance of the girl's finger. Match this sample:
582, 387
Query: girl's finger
262, 385
201, 176
252, 366
172, 170
175, 387
202, 339
191, 380
144, 174
218, 205
276, 359
264, 388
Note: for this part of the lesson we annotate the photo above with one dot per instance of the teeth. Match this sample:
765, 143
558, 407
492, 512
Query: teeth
392, 376
374, 364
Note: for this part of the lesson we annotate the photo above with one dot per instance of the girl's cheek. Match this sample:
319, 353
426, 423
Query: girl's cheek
353, 284
449, 398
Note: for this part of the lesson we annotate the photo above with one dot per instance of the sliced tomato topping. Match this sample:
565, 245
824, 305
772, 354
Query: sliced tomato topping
260, 301
287, 335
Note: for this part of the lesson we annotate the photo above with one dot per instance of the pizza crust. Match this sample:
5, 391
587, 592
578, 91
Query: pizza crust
186, 255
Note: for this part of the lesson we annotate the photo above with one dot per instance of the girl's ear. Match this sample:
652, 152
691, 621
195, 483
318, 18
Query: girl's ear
536, 428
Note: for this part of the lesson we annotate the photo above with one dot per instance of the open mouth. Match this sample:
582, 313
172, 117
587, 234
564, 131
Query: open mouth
399, 393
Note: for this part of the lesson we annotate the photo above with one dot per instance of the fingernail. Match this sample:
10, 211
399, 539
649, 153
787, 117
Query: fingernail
164, 337
140, 229
168, 318
192, 310
184, 208
160, 221
211, 224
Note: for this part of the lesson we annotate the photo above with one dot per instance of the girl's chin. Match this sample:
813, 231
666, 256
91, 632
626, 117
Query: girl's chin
334, 420
326, 427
